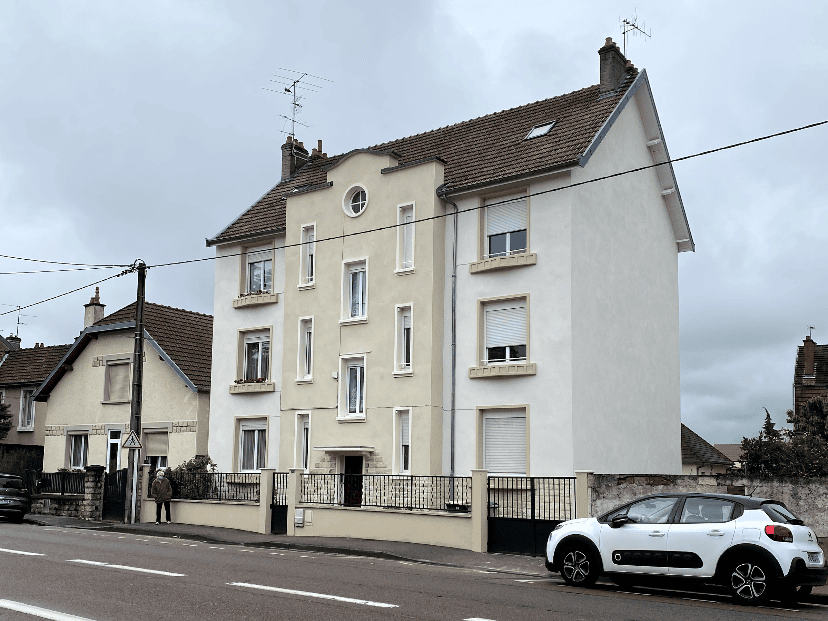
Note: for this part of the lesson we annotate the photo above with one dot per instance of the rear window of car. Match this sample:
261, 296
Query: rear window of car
780, 513
10, 483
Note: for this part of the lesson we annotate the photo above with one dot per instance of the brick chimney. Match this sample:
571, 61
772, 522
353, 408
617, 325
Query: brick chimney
14, 341
294, 156
94, 311
808, 346
613, 66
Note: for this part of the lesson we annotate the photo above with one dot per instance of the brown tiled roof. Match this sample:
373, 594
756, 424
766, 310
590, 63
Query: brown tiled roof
483, 150
731, 451
697, 450
185, 336
31, 365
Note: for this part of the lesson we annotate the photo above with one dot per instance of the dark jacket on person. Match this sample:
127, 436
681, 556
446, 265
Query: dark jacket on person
161, 489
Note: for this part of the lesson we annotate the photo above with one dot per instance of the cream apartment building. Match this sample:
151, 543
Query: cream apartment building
477, 296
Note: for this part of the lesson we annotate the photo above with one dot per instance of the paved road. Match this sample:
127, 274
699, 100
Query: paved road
75, 575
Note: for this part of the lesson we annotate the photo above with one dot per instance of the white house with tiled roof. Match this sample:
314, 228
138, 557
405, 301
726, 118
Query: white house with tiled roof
485, 295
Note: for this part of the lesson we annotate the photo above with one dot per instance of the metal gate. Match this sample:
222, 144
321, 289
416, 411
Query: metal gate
115, 495
279, 504
524, 510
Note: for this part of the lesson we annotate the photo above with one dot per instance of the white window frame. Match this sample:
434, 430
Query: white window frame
109, 442
348, 197
27, 406
304, 367
85, 449
486, 242
107, 398
256, 337
307, 256
349, 268
252, 256
404, 267
256, 425
399, 413
502, 304
400, 312
504, 412
345, 364
302, 447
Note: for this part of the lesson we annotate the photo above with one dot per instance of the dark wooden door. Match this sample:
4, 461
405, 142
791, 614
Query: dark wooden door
352, 482
115, 495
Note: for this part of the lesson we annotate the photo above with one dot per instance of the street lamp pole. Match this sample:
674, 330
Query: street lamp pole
137, 387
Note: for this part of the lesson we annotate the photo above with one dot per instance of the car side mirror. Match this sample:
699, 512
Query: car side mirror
619, 520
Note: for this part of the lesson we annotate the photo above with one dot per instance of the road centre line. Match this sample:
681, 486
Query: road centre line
21, 552
43, 613
477, 619
337, 598
141, 569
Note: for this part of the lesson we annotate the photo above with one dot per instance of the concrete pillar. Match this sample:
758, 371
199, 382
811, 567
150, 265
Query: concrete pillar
582, 495
93, 491
294, 497
480, 511
265, 499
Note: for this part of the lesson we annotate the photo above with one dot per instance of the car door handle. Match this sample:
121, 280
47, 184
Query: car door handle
715, 533
656, 533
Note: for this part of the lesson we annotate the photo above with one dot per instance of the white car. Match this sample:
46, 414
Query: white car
753, 546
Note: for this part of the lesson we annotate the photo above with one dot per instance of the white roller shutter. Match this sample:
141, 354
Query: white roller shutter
118, 382
404, 429
505, 326
158, 444
505, 443
408, 237
505, 217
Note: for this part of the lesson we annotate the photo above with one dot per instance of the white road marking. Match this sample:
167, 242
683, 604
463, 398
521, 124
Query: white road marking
21, 552
337, 598
43, 613
141, 569
477, 619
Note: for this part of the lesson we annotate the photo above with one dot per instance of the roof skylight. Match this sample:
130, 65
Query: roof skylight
539, 130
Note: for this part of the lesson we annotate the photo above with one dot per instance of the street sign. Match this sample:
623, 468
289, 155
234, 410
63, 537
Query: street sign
132, 441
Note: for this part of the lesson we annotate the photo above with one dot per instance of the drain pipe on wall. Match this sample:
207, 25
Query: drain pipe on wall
441, 192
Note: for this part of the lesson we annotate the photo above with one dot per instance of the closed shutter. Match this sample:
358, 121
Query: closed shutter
505, 444
158, 444
505, 217
118, 382
404, 429
505, 326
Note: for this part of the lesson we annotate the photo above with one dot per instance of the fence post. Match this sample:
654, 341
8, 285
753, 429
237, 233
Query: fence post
146, 512
265, 499
582, 508
93, 484
479, 511
294, 497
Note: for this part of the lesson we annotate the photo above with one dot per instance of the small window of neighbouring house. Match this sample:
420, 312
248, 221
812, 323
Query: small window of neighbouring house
504, 441
302, 441
353, 397
405, 238
78, 450
356, 294
256, 357
355, 201
306, 348
253, 446
505, 331
404, 338
404, 446
27, 406
259, 270
116, 381
308, 255
506, 226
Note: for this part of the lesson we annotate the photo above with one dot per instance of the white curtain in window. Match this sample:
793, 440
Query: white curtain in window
26, 409
506, 326
505, 217
119, 382
78, 450
309, 252
505, 443
253, 449
261, 445
356, 380
357, 293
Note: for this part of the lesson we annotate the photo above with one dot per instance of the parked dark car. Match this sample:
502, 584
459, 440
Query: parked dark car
15, 501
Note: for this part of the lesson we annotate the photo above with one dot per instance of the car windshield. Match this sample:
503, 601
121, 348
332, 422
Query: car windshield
10, 483
779, 513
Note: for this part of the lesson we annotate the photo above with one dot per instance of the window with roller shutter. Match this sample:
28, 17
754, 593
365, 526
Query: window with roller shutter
404, 443
505, 331
504, 441
506, 226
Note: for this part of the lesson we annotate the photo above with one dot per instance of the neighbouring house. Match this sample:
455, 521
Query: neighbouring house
21, 372
732, 451
476, 296
699, 456
810, 372
89, 391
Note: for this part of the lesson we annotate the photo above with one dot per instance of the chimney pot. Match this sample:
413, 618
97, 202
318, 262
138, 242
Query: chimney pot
14, 341
94, 311
319, 146
294, 156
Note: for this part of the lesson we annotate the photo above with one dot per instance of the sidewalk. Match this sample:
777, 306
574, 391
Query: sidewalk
531, 567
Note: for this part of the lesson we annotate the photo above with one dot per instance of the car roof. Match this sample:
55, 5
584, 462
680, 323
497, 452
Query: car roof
748, 502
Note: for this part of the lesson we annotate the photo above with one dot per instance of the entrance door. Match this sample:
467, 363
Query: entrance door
352, 481
115, 495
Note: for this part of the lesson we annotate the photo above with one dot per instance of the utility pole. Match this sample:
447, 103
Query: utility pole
137, 386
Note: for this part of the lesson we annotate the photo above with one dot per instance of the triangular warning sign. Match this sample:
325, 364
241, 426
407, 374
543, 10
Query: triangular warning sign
132, 441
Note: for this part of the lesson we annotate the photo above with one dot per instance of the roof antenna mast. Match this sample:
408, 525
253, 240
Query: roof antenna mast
291, 85
629, 27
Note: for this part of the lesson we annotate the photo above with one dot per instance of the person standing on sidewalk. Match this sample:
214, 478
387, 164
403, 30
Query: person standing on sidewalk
162, 493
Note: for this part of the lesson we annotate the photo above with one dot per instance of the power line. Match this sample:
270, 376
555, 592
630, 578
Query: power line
71, 269
6, 256
566, 187
54, 297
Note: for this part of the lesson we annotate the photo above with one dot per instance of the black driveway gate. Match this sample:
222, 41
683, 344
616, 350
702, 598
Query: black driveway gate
115, 495
279, 504
524, 510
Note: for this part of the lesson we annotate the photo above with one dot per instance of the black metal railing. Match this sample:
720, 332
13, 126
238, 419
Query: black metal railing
215, 485
280, 488
532, 498
61, 483
413, 493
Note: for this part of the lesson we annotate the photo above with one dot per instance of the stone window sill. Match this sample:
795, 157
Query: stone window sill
502, 263
503, 370
351, 419
403, 373
404, 271
256, 300
306, 285
353, 320
25, 429
236, 389
114, 402
304, 380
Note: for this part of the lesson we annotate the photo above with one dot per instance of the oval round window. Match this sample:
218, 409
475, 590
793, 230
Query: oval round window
355, 201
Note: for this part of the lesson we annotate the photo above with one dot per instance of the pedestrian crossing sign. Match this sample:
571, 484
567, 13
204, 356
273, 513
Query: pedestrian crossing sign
132, 441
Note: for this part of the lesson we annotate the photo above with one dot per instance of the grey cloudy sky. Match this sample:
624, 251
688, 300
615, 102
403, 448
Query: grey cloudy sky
139, 129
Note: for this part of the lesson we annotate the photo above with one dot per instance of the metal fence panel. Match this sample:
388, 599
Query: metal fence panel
215, 486
55, 482
538, 498
280, 488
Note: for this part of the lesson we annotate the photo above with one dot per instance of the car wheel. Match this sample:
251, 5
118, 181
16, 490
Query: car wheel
579, 566
750, 581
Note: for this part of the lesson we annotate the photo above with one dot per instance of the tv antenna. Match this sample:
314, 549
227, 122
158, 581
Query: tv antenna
630, 27
291, 86
809, 330
19, 315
